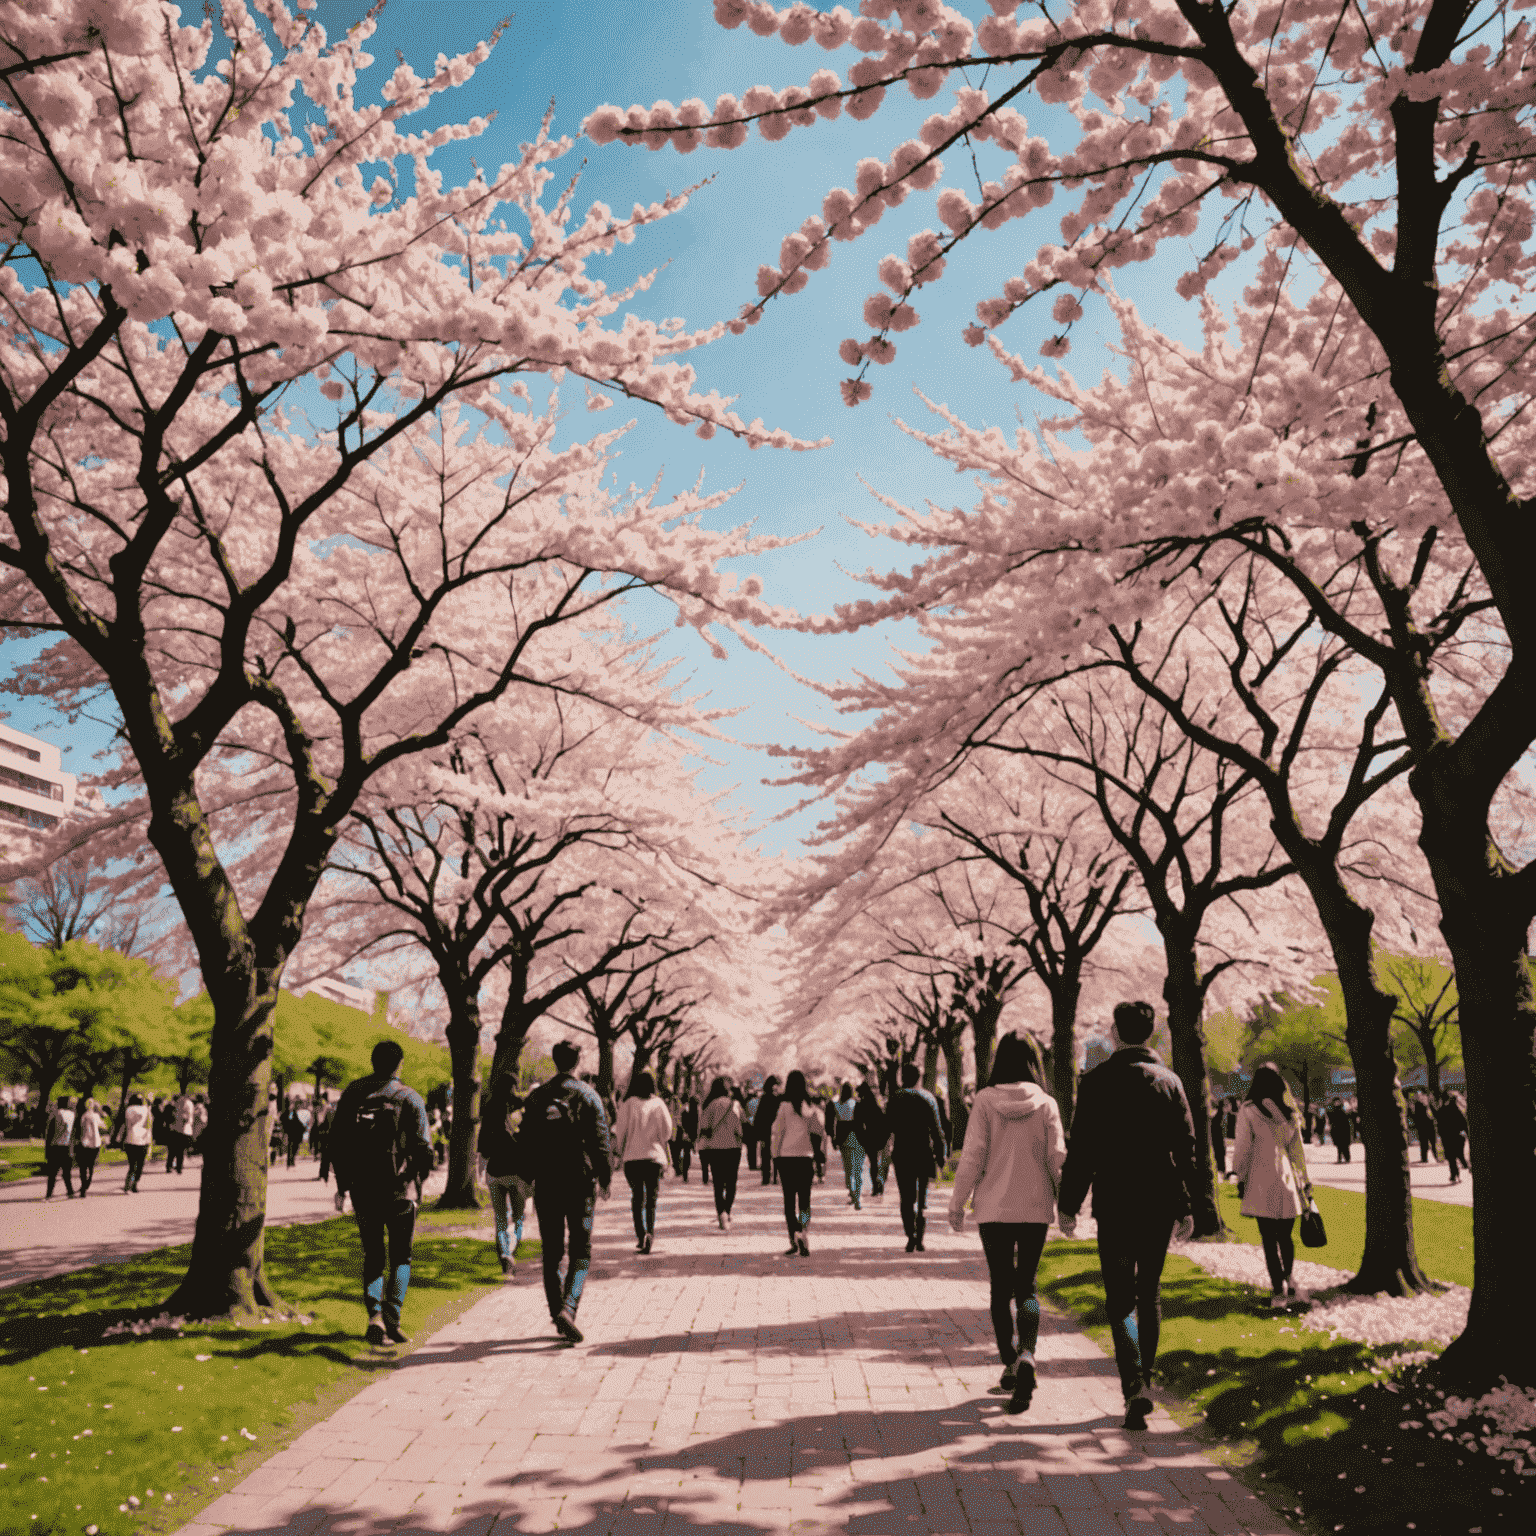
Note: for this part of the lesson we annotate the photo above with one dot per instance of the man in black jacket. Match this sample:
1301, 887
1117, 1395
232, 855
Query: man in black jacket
1133, 1140
762, 1124
379, 1145
917, 1151
563, 1143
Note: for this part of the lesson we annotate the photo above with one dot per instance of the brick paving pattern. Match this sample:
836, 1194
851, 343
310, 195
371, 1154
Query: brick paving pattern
722, 1388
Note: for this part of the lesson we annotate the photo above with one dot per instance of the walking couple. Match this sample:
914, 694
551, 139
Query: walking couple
1133, 1143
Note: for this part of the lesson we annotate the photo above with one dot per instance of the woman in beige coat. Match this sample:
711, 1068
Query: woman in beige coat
1271, 1173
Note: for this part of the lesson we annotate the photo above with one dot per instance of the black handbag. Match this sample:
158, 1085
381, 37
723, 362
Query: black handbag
1313, 1233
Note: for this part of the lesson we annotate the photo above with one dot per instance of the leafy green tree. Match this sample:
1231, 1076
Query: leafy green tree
1305, 1040
1426, 1011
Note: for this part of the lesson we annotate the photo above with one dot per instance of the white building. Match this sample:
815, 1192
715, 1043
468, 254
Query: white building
34, 790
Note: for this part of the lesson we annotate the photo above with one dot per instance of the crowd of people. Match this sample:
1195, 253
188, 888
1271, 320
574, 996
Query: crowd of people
1437, 1121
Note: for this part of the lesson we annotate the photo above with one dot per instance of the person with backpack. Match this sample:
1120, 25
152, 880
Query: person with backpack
918, 1151
497, 1147
564, 1137
379, 1143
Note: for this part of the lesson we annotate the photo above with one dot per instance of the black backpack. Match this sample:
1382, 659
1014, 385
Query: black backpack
549, 1139
377, 1159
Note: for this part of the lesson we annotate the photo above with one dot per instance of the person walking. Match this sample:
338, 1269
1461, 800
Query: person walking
178, 1133
1451, 1122
721, 1129
749, 1120
564, 1138
1424, 1127
1219, 1137
762, 1125
57, 1134
642, 1131
793, 1143
496, 1146
136, 1133
1269, 1162
320, 1136
1010, 1171
870, 1127
1339, 1130
378, 1141
917, 1151
1133, 1142
849, 1148
683, 1138
85, 1140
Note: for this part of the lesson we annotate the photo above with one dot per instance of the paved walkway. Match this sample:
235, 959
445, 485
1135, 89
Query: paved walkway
1430, 1181
41, 1237
725, 1389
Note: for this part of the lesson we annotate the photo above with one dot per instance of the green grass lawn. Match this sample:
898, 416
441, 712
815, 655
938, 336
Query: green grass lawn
1315, 1421
26, 1159
93, 1420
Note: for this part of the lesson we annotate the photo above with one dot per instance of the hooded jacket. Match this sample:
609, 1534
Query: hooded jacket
1268, 1148
1014, 1151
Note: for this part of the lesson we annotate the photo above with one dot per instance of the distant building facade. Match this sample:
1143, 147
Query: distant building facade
34, 789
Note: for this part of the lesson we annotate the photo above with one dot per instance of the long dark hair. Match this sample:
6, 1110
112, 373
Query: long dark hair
794, 1089
719, 1089
1268, 1084
641, 1086
1018, 1060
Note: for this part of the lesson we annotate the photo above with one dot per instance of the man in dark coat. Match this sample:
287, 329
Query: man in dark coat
917, 1151
379, 1144
1133, 1141
762, 1123
563, 1144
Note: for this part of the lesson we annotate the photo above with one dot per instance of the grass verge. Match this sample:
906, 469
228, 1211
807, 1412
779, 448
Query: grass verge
1316, 1424
174, 1418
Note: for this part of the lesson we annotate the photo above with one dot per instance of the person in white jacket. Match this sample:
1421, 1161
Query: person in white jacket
796, 1144
1270, 1166
1010, 1170
85, 1141
136, 1134
641, 1132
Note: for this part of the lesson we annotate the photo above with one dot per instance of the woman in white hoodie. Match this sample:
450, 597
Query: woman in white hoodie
1010, 1169
641, 1132
1271, 1171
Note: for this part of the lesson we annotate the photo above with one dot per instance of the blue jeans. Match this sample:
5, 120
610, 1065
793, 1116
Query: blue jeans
509, 1204
1131, 1256
385, 1219
1013, 1251
565, 1221
853, 1167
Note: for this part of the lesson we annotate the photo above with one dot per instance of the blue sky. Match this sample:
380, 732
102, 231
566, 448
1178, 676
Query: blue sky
582, 53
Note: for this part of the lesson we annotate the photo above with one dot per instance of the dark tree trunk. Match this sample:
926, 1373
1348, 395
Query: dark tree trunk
1064, 996
1498, 1031
984, 1037
605, 1063
931, 1054
461, 1193
1184, 993
954, 1061
227, 1272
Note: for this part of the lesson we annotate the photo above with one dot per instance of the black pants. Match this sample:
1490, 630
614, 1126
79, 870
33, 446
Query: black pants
1279, 1250
59, 1161
1219, 1150
176, 1152
795, 1176
136, 1156
85, 1161
1426, 1145
644, 1180
1455, 1154
385, 1221
704, 1166
1013, 1250
565, 1229
769, 1175
1131, 1255
725, 1165
912, 1184
682, 1159
752, 1153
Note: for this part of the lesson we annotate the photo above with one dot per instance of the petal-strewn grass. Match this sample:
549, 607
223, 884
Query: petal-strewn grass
1340, 1424
133, 1430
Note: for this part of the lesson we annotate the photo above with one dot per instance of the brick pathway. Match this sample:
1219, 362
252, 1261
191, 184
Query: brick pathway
723, 1388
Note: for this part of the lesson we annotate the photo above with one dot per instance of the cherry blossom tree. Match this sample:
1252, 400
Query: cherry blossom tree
1376, 158
274, 472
